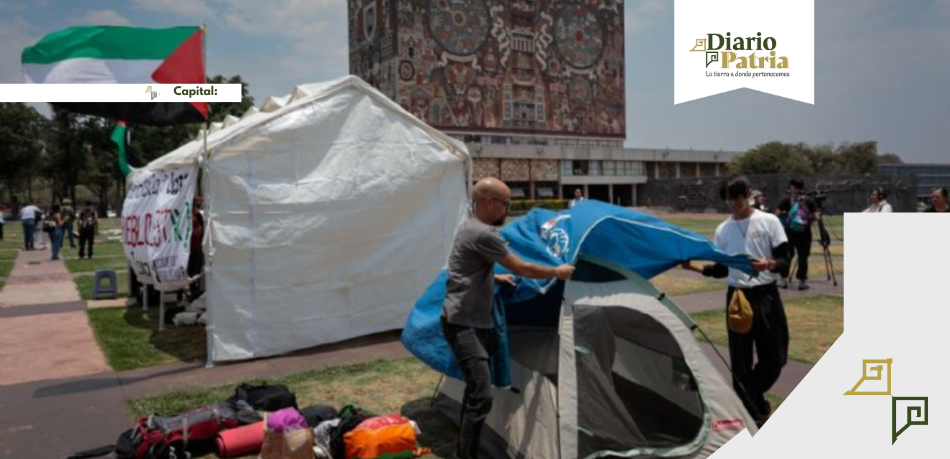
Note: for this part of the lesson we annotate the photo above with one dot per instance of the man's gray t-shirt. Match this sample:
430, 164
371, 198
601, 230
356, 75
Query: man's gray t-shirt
471, 279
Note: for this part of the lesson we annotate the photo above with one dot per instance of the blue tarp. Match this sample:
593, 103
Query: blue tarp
636, 241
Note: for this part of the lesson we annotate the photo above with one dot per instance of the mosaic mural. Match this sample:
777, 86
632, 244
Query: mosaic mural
520, 66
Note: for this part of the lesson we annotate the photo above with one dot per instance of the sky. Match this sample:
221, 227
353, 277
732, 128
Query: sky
882, 67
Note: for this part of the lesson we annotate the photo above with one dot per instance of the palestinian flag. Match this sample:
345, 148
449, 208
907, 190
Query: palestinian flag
97, 55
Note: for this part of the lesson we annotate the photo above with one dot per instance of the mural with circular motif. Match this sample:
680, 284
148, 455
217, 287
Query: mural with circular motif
459, 26
579, 36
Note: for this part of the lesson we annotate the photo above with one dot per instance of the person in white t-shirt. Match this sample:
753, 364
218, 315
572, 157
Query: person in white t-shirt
578, 197
760, 235
878, 201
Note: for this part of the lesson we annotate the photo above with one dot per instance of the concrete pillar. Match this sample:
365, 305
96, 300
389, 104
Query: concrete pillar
678, 170
699, 173
610, 193
717, 169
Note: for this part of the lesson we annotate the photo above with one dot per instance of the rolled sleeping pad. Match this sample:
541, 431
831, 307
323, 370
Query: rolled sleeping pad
241, 441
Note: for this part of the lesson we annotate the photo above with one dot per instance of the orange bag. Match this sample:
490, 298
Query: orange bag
391, 436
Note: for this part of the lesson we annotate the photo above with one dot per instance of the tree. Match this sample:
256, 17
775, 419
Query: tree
219, 110
857, 158
21, 146
821, 158
889, 158
771, 158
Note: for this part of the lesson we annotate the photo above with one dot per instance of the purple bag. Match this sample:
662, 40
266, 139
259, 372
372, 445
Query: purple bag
286, 420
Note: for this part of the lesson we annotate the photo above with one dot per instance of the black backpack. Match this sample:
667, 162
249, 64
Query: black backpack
264, 397
87, 219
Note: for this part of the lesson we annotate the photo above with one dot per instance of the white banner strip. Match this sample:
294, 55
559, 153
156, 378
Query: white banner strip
120, 92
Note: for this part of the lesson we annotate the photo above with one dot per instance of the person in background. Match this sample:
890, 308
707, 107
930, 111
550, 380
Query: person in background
196, 257
88, 228
758, 201
53, 225
28, 220
578, 197
761, 236
2, 221
798, 213
466, 317
878, 201
938, 200
69, 218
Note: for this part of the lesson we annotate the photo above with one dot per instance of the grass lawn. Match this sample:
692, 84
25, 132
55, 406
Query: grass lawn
84, 284
129, 338
101, 249
814, 324
675, 285
817, 270
402, 386
5, 267
836, 250
8, 254
119, 264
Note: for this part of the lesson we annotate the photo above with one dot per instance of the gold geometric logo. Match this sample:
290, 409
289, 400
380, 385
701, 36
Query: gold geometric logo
700, 45
880, 371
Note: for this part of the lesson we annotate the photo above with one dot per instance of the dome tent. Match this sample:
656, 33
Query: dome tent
600, 365
328, 212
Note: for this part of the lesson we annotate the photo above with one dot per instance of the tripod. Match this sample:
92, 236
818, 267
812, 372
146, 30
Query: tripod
824, 239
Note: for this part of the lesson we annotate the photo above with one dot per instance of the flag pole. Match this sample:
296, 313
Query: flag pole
205, 209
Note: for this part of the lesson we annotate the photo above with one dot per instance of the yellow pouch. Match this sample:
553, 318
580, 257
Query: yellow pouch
739, 313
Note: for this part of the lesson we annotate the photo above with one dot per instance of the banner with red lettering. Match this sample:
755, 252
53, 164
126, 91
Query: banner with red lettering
157, 225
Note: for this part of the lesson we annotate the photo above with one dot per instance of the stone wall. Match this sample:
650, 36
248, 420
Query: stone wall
846, 193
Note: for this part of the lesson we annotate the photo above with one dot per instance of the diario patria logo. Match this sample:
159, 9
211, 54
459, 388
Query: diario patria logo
725, 45
872, 382
151, 93
729, 51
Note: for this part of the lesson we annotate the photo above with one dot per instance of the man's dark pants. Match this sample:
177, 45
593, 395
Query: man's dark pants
86, 238
800, 242
769, 335
29, 227
472, 347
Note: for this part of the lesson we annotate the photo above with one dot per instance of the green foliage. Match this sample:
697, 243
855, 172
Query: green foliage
527, 205
219, 110
777, 157
21, 128
771, 158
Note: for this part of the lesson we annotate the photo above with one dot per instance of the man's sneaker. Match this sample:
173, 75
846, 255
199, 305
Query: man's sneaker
783, 283
803, 285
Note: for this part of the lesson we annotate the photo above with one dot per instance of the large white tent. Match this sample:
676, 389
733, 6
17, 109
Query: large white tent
329, 211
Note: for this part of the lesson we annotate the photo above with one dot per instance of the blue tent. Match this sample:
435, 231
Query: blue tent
632, 240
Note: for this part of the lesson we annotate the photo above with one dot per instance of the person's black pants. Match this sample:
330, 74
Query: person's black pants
800, 243
769, 336
86, 239
1, 231
472, 347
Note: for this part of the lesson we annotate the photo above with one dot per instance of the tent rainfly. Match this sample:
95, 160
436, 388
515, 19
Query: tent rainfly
328, 213
601, 365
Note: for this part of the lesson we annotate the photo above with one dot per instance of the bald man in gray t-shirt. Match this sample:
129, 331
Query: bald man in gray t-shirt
466, 313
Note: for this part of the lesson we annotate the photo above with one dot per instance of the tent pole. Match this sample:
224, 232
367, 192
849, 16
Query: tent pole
145, 297
161, 311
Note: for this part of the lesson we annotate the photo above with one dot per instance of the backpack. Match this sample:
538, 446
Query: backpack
171, 437
87, 219
799, 217
264, 397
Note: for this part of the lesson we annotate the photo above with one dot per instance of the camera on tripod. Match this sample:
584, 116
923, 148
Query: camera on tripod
819, 197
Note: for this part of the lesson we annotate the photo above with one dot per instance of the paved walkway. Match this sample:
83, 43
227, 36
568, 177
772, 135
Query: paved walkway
46, 334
